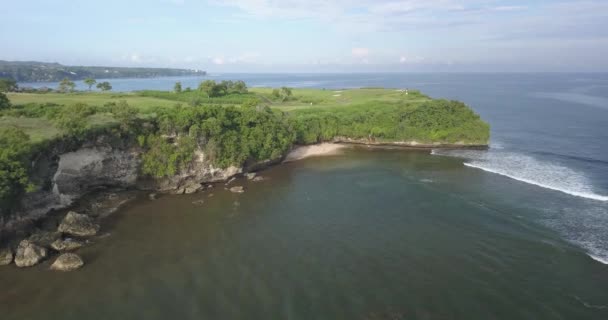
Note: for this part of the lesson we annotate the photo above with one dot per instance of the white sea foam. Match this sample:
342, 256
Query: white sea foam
529, 170
562, 186
596, 258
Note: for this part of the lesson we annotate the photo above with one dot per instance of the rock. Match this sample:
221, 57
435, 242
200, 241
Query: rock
210, 195
198, 202
209, 186
230, 181
153, 196
44, 238
67, 262
178, 191
29, 254
6, 256
193, 188
250, 176
78, 225
66, 244
256, 179
237, 189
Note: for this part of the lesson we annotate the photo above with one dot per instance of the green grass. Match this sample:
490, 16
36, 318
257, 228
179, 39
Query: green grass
149, 100
90, 98
39, 129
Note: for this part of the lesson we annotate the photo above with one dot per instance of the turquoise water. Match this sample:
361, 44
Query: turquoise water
369, 234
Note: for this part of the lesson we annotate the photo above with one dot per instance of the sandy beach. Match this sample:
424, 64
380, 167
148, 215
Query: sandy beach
323, 149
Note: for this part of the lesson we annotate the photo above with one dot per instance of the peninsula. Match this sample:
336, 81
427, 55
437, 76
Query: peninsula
56, 148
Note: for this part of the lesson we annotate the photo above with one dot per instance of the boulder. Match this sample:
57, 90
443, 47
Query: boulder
192, 188
66, 244
29, 254
6, 256
198, 202
79, 225
44, 238
250, 176
237, 189
258, 178
153, 196
67, 262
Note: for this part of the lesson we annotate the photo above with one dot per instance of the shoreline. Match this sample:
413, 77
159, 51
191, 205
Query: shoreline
111, 199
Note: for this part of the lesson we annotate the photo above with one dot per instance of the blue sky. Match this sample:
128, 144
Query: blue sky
311, 35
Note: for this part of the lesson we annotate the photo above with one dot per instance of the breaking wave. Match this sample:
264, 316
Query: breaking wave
529, 170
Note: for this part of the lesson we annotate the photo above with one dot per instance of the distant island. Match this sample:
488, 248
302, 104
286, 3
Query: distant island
33, 71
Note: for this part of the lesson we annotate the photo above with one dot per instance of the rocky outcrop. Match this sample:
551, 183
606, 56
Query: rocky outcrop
79, 225
6, 256
200, 170
237, 189
86, 169
29, 254
67, 262
66, 244
44, 238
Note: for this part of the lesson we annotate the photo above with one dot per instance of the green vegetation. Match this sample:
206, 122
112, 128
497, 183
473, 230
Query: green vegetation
66, 85
8, 85
4, 102
31, 71
90, 82
14, 175
231, 124
104, 86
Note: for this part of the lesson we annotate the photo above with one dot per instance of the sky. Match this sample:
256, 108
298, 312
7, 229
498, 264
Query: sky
311, 35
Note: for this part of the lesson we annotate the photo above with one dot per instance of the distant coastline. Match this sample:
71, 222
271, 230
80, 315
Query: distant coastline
34, 71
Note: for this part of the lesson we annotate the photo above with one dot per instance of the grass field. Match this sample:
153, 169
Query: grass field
41, 128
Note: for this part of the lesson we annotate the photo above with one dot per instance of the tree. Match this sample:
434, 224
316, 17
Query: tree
4, 102
209, 87
285, 93
14, 151
90, 82
239, 87
8, 85
66, 85
178, 87
73, 119
126, 116
104, 86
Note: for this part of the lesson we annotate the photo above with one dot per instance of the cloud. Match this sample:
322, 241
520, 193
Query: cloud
218, 60
360, 52
407, 59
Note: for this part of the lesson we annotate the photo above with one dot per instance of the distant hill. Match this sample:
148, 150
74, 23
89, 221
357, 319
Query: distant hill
32, 71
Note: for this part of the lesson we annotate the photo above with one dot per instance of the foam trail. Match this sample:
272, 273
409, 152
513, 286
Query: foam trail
529, 170
540, 184
598, 259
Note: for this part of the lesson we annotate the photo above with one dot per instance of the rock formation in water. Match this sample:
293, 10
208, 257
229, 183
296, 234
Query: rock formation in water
6, 256
29, 254
79, 225
66, 244
67, 262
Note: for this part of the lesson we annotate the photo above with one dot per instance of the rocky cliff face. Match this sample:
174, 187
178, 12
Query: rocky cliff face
69, 176
86, 169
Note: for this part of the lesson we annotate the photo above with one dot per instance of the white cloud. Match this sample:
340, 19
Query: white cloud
218, 60
360, 52
405, 59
